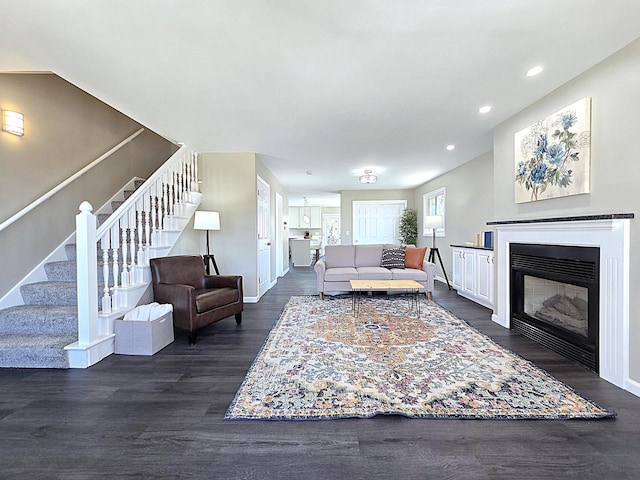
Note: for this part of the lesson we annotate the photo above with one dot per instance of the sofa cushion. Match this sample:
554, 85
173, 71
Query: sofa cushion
413, 257
409, 274
393, 257
340, 274
339, 256
374, 273
368, 255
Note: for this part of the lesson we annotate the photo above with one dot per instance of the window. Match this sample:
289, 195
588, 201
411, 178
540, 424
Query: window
433, 204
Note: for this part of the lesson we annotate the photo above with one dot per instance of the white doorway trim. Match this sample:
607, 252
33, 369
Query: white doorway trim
264, 236
279, 236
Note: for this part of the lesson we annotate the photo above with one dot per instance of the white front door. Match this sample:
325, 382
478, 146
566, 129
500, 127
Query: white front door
377, 221
264, 237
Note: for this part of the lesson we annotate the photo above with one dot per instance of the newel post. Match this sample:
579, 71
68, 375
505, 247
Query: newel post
87, 267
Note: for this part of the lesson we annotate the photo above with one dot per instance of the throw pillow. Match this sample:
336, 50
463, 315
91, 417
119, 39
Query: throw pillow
393, 257
413, 257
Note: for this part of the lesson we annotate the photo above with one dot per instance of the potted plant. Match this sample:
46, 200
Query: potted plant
409, 226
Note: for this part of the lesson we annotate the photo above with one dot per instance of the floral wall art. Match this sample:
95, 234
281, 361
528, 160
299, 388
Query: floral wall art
552, 156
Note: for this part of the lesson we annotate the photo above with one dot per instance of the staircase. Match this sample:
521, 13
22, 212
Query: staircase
34, 335
58, 323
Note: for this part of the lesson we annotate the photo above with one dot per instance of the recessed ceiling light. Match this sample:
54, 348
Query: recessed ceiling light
485, 109
451, 147
532, 72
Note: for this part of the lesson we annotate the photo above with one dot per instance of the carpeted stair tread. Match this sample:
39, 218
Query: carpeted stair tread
50, 293
34, 351
62, 271
67, 271
44, 319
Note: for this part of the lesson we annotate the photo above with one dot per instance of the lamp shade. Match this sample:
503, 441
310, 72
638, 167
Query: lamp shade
433, 221
207, 221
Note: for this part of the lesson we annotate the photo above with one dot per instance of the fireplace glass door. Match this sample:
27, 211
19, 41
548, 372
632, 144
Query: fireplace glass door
559, 304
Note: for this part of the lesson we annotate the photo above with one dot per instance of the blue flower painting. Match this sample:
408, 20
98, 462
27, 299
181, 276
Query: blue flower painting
553, 156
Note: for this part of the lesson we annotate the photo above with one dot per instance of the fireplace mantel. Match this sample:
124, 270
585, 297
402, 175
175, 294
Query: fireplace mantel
611, 233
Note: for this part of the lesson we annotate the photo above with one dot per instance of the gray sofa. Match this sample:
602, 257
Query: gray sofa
342, 263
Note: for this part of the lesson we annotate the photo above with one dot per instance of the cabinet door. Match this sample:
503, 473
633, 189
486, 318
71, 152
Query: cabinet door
457, 268
485, 276
294, 222
316, 217
469, 272
304, 218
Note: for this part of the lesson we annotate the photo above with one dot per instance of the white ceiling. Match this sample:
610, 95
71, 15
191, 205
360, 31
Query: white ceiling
327, 87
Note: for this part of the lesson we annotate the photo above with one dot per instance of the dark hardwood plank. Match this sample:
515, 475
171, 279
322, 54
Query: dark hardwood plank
161, 417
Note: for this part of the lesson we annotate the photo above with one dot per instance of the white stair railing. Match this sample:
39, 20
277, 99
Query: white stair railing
145, 226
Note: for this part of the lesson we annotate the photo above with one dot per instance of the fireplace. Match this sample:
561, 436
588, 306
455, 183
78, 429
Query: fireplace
610, 233
555, 298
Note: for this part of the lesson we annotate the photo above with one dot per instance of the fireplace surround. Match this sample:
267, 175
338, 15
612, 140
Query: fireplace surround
611, 234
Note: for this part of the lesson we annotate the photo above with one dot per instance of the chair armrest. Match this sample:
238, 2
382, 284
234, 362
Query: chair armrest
219, 281
180, 296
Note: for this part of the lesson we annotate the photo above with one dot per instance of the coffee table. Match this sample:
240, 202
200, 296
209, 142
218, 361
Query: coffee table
360, 286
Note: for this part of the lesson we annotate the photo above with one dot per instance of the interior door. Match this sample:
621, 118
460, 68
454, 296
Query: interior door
264, 237
377, 221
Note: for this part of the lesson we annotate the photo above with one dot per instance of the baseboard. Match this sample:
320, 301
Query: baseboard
632, 386
83, 356
250, 299
495, 318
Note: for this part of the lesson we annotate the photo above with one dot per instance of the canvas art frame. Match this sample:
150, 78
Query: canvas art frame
553, 156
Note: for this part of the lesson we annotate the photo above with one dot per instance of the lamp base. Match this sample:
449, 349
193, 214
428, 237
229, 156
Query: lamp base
208, 260
432, 257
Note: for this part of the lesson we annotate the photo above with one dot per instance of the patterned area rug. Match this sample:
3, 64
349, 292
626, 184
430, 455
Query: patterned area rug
321, 362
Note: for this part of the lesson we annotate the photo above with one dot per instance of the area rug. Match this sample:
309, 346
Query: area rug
321, 362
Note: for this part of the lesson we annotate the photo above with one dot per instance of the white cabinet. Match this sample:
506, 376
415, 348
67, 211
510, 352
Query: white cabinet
301, 252
473, 272
484, 272
294, 222
305, 217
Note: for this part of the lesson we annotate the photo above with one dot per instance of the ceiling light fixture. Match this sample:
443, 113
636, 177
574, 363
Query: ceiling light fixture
451, 147
485, 109
532, 72
368, 177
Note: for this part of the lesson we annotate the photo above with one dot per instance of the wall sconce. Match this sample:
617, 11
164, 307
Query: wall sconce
13, 122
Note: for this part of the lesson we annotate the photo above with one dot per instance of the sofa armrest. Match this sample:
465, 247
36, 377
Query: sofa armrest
320, 267
430, 269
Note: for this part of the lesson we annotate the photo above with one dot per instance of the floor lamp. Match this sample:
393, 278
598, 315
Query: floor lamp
208, 221
434, 222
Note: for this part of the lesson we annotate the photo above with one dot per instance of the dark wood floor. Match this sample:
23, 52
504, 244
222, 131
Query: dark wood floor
161, 417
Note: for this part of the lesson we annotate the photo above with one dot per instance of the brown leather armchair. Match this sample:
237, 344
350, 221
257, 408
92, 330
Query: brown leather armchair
198, 299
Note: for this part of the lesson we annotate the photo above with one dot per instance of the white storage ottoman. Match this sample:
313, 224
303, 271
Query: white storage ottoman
143, 337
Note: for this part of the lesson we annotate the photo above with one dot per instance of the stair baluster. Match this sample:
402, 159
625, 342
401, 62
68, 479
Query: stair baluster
138, 229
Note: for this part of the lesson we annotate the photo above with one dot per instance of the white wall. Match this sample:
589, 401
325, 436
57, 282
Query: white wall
613, 86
